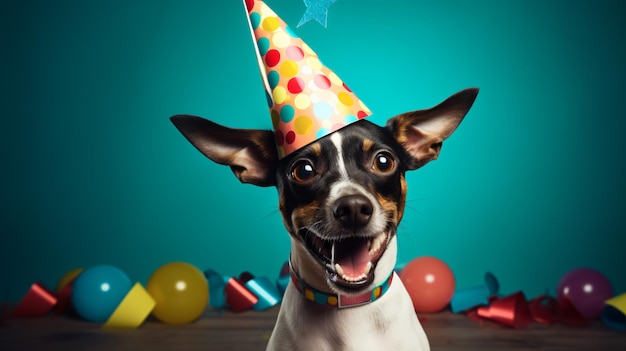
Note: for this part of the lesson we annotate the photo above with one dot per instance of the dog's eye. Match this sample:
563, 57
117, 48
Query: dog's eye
383, 162
302, 171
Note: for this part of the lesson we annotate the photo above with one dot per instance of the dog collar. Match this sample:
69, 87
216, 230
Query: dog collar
338, 300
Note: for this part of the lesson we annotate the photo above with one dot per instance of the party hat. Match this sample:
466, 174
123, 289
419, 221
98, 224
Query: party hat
306, 99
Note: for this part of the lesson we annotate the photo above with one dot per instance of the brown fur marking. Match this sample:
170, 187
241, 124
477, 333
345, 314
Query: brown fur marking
368, 144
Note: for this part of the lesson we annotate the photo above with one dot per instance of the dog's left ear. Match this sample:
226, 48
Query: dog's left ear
422, 132
250, 153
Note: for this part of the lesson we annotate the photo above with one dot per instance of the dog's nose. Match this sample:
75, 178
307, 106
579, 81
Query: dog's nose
353, 211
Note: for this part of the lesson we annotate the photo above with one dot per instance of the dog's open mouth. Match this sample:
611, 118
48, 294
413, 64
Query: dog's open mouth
349, 262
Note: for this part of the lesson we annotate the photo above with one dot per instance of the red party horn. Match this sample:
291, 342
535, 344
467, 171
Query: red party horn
544, 309
37, 302
238, 297
511, 311
568, 314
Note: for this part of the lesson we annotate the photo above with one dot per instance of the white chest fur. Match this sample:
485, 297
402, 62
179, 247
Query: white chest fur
389, 323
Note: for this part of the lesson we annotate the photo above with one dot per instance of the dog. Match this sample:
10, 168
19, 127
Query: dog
341, 199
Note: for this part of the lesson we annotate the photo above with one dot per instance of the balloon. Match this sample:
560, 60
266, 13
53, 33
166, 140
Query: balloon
98, 291
587, 289
181, 292
67, 278
430, 283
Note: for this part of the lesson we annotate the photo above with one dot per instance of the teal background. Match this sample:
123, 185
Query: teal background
529, 187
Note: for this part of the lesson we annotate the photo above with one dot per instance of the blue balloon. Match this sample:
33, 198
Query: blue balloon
98, 291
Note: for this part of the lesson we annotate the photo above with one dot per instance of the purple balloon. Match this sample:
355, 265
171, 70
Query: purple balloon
587, 289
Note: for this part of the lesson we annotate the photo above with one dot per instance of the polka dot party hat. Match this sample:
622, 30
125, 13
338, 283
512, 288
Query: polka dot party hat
306, 99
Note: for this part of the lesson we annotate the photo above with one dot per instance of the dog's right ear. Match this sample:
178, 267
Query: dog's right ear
251, 154
422, 132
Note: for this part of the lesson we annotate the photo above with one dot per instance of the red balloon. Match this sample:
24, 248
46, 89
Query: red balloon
430, 283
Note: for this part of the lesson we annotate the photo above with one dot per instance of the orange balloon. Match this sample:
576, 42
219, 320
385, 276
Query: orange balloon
430, 283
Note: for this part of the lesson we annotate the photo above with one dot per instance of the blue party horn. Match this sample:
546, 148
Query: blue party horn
266, 291
217, 283
463, 300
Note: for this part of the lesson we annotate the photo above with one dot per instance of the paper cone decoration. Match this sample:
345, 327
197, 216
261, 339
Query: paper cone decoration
511, 310
306, 99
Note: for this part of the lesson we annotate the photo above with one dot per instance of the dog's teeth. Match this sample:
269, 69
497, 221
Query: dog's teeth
368, 268
375, 245
339, 270
354, 279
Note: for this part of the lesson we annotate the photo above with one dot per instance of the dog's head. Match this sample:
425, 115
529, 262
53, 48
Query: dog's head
341, 197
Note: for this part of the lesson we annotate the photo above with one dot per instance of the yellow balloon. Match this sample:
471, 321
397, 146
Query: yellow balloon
181, 293
67, 278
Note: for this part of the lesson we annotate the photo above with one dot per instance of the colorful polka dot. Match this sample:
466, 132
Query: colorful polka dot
279, 94
288, 69
295, 53
376, 292
272, 58
306, 70
324, 95
343, 109
337, 126
321, 81
265, 10
314, 62
281, 40
255, 20
335, 79
296, 85
361, 114
332, 300
303, 125
322, 110
270, 24
308, 49
349, 119
273, 78
286, 113
249, 5
321, 133
290, 137
302, 101
263, 44
345, 98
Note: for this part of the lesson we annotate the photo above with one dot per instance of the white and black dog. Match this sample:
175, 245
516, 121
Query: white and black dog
341, 199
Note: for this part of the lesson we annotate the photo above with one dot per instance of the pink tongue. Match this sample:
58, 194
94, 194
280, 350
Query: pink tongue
352, 255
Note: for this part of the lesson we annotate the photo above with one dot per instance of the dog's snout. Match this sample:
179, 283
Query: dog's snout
353, 211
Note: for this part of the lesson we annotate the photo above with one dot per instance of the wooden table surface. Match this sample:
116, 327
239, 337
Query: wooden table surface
251, 330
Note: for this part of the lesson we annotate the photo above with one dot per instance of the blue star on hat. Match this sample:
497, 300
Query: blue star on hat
317, 10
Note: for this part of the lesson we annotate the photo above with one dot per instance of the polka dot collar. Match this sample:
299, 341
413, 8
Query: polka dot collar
339, 301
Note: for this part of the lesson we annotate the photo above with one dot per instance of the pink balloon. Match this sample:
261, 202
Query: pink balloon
587, 289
